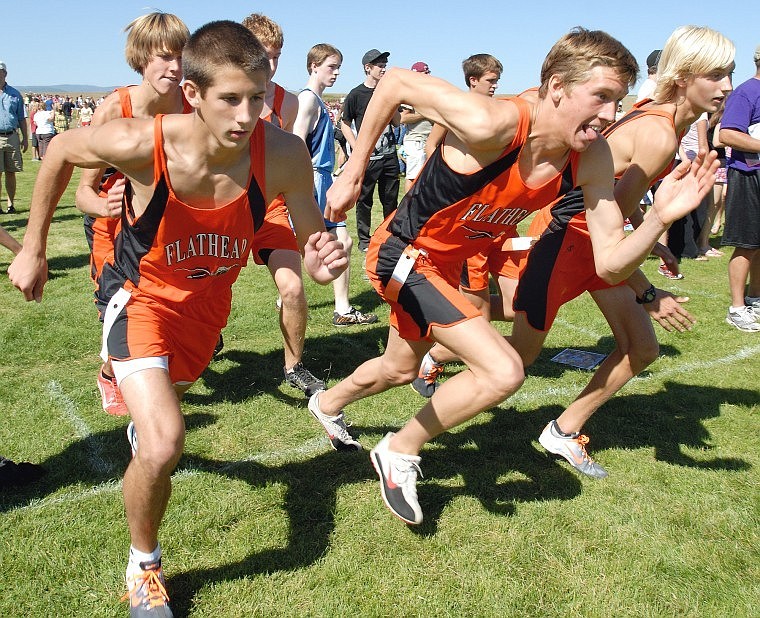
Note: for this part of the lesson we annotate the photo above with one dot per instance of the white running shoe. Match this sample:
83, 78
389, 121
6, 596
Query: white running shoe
398, 480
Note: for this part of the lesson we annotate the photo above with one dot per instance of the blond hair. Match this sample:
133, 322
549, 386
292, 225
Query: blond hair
265, 30
576, 54
691, 51
153, 34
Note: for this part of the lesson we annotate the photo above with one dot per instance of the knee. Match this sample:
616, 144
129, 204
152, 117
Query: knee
291, 289
159, 456
642, 353
647, 352
393, 375
503, 380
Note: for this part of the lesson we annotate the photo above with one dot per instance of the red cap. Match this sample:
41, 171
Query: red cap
421, 67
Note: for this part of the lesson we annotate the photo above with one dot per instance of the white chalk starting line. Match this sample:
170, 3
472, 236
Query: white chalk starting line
311, 447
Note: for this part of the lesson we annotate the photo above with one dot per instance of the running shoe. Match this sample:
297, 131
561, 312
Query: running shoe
11, 210
301, 378
666, 272
147, 592
572, 448
132, 437
426, 382
745, 319
335, 426
352, 317
398, 480
110, 395
753, 302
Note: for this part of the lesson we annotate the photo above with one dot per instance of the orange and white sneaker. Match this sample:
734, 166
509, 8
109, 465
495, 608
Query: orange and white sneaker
147, 592
572, 448
113, 402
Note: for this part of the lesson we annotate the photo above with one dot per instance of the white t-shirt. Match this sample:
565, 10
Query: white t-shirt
45, 121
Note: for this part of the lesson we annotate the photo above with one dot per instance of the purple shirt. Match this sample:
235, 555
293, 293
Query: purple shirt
742, 112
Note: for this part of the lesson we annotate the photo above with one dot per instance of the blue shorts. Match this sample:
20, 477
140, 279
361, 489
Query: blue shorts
322, 182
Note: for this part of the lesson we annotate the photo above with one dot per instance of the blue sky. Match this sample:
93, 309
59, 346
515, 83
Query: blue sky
47, 45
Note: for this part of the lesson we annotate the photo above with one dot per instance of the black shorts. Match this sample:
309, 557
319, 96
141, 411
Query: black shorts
742, 226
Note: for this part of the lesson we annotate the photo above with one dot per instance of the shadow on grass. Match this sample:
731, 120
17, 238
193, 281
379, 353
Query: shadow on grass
668, 421
493, 460
60, 263
332, 357
96, 459
480, 455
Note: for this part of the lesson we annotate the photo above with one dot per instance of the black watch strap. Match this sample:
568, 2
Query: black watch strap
647, 297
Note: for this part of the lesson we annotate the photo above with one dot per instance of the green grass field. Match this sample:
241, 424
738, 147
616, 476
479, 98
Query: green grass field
266, 520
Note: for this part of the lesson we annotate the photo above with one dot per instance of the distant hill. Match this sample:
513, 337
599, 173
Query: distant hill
64, 88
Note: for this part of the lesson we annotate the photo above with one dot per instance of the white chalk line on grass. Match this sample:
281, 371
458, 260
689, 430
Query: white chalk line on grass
578, 329
317, 445
68, 408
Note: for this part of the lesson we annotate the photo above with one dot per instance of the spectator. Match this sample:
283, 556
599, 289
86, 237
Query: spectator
383, 169
12, 118
85, 114
740, 129
45, 121
417, 131
650, 83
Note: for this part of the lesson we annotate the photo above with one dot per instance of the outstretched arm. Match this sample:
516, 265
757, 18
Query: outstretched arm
617, 256
479, 122
116, 143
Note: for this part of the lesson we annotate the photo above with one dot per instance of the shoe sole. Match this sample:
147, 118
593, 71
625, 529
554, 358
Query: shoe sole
378, 469
744, 330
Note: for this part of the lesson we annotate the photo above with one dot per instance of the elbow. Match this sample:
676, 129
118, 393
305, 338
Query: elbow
611, 277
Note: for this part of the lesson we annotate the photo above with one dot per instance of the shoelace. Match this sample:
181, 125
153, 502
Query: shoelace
406, 470
156, 595
301, 374
582, 441
431, 375
117, 398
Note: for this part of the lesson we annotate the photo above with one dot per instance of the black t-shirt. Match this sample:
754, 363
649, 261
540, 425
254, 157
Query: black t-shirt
354, 108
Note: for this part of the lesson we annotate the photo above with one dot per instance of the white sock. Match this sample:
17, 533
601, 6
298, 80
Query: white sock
736, 309
136, 557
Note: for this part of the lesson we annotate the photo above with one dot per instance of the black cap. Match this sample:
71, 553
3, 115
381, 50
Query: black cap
653, 59
374, 56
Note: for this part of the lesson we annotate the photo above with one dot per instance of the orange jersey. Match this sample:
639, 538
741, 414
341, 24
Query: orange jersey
185, 258
102, 231
560, 266
275, 115
453, 216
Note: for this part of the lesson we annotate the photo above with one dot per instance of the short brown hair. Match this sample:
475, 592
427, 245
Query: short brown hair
477, 65
222, 44
152, 34
576, 54
265, 30
319, 53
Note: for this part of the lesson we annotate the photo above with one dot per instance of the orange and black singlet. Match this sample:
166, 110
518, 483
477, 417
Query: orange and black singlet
183, 257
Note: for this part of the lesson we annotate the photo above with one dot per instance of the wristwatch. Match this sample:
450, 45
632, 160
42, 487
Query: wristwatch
648, 296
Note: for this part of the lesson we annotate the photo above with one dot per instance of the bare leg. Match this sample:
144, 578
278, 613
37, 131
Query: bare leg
636, 349
154, 406
285, 267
